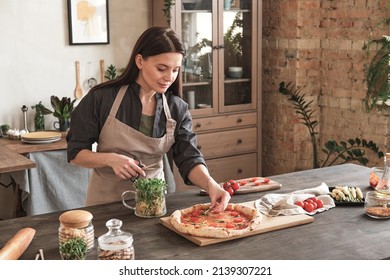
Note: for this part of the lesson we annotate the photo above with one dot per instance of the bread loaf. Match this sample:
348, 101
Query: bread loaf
16, 246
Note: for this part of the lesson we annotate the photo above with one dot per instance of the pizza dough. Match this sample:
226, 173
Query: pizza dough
236, 220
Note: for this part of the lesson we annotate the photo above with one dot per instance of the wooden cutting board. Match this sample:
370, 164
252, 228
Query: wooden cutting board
250, 185
267, 224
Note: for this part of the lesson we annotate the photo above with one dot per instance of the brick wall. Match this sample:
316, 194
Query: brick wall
317, 45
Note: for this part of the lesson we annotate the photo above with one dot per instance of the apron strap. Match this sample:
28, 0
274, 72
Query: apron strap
118, 100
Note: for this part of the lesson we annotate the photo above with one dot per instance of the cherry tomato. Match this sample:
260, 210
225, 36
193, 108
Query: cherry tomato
194, 219
320, 203
309, 207
309, 200
257, 183
229, 225
230, 191
300, 203
238, 220
253, 179
226, 184
235, 186
314, 205
243, 182
196, 213
234, 214
266, 180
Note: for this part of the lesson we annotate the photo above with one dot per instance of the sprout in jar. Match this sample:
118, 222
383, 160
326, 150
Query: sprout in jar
150, 197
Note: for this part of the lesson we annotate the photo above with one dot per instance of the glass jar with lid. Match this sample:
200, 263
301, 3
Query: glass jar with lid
377, 205
115, 244
384, 183
76, 234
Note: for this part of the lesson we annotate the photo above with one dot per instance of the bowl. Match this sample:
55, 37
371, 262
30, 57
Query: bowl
377, 205
235, 69
235, 74
189, 6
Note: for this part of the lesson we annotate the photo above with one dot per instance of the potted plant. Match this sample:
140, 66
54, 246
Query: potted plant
40, 112
62, 110
233, 42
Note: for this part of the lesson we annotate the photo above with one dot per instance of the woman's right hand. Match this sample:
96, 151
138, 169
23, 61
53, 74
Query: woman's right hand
125, 167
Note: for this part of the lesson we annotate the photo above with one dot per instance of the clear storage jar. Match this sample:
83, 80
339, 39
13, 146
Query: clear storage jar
74, 225
115, 244
377, 205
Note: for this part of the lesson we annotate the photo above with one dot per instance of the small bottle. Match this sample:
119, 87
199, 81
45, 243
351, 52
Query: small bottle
115, 244
384, 184
76, 225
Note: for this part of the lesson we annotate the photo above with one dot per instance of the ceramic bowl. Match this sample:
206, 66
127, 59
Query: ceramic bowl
235, 72
189, 6
235, 69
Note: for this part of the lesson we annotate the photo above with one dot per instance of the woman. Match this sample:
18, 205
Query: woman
139, 117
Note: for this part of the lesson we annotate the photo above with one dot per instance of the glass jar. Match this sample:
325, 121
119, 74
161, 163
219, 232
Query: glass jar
76, 228
115, 244
377, 205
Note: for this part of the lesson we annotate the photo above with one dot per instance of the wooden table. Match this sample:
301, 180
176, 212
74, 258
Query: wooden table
339, 233
13, 158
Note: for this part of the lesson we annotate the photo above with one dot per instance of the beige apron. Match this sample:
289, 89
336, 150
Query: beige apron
117, 137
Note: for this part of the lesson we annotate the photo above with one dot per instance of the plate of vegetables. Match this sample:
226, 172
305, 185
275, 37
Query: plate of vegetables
347, 196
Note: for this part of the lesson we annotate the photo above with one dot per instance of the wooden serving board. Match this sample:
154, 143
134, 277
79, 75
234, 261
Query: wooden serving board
250, 186
267, 224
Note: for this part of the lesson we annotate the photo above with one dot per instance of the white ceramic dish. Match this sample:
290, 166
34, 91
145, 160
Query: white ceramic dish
40, 141
235, 69
203, 106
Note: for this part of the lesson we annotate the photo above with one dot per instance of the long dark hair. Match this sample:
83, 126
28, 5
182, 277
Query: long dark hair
155, 40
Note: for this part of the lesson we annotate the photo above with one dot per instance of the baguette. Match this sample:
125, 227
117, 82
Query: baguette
16, 246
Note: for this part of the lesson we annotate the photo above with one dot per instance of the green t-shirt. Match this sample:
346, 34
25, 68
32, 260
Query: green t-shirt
146, 125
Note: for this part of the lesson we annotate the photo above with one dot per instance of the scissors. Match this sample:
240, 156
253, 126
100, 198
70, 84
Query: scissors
143, 166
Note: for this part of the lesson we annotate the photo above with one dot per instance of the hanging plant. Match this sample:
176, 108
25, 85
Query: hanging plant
168, 4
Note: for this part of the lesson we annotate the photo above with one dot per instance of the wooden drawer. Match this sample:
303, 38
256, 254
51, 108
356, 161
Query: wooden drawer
221, 122
223, 169
223, 143
235, 167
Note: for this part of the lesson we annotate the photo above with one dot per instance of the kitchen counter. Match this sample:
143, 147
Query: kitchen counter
339, 233
12, 153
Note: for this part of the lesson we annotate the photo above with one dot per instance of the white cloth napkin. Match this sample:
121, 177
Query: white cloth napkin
284, 204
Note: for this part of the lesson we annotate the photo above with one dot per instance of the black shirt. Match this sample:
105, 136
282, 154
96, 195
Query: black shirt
90, 114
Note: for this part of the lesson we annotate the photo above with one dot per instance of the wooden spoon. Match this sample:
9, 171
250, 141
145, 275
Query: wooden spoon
102, 70
78, 91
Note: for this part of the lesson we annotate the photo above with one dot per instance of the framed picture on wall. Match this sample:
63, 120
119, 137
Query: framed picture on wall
88, 22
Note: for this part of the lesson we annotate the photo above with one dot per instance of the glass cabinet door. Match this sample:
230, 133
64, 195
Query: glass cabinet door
237, 58
197, 69
217, 68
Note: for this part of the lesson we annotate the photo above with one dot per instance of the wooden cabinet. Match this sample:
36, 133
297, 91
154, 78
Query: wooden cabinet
221, 80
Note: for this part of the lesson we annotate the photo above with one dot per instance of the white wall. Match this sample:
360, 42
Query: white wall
36, 60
